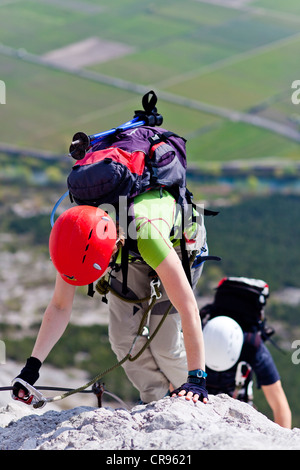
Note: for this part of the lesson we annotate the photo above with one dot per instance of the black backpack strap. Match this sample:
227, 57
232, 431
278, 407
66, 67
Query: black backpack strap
149, 115
124, 266
91, 291
209, 212
167, 134
184, 253
185, 259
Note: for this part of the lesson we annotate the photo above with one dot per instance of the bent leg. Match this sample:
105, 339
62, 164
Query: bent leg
168, 349
124, 322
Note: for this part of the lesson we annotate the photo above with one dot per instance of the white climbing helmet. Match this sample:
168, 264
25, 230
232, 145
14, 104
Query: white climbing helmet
223, 342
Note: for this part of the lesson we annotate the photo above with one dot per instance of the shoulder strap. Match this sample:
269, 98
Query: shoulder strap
124, 266
185, 259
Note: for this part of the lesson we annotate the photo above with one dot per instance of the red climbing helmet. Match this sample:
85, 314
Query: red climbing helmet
81, 244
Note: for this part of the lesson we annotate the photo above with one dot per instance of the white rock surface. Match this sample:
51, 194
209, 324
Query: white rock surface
168, 424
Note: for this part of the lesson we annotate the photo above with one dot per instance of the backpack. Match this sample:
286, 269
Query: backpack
130, 162
242, 299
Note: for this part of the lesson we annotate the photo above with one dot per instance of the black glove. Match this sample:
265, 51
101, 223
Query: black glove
30, 374
194, 385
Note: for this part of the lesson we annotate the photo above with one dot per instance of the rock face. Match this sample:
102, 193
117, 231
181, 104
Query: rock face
168, 424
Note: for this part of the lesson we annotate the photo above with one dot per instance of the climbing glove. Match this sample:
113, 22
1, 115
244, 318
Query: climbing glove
29, 373
194, 385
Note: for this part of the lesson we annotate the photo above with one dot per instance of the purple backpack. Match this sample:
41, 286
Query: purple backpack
130, 162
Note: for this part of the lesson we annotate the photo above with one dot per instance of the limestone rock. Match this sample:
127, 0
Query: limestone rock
168, 424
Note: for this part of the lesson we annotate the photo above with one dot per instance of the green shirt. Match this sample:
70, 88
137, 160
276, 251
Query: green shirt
156, 225
155, 214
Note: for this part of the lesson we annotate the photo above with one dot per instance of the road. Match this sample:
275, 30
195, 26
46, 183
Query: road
232, 115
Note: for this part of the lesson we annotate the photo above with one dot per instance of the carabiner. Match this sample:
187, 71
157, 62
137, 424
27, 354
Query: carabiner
242, 372
155, 292
34, 397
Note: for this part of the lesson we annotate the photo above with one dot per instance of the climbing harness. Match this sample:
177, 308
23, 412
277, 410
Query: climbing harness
103, 287
243, 382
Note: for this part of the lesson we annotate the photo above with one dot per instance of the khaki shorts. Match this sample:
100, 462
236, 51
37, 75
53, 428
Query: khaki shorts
163, 363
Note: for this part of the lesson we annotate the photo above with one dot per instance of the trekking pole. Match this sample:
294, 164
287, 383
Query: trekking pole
81, 142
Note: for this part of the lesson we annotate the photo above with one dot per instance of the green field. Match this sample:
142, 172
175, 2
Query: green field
238, 59
288, 6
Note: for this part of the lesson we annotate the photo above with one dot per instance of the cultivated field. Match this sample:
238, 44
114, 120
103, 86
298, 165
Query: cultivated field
215, 66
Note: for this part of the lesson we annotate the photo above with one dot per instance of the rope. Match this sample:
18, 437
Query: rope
64, 389
103, 288
128, 355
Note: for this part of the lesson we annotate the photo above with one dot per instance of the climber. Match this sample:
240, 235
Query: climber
85, 245
231, 356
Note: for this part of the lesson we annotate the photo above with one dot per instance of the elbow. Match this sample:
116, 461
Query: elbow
61, 308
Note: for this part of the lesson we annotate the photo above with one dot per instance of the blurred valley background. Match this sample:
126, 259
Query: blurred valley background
223, 72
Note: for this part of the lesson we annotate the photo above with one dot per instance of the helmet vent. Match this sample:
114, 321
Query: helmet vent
86, 249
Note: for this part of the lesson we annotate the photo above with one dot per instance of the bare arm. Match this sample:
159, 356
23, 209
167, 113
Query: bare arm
277, 400
55, 320
181, 295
